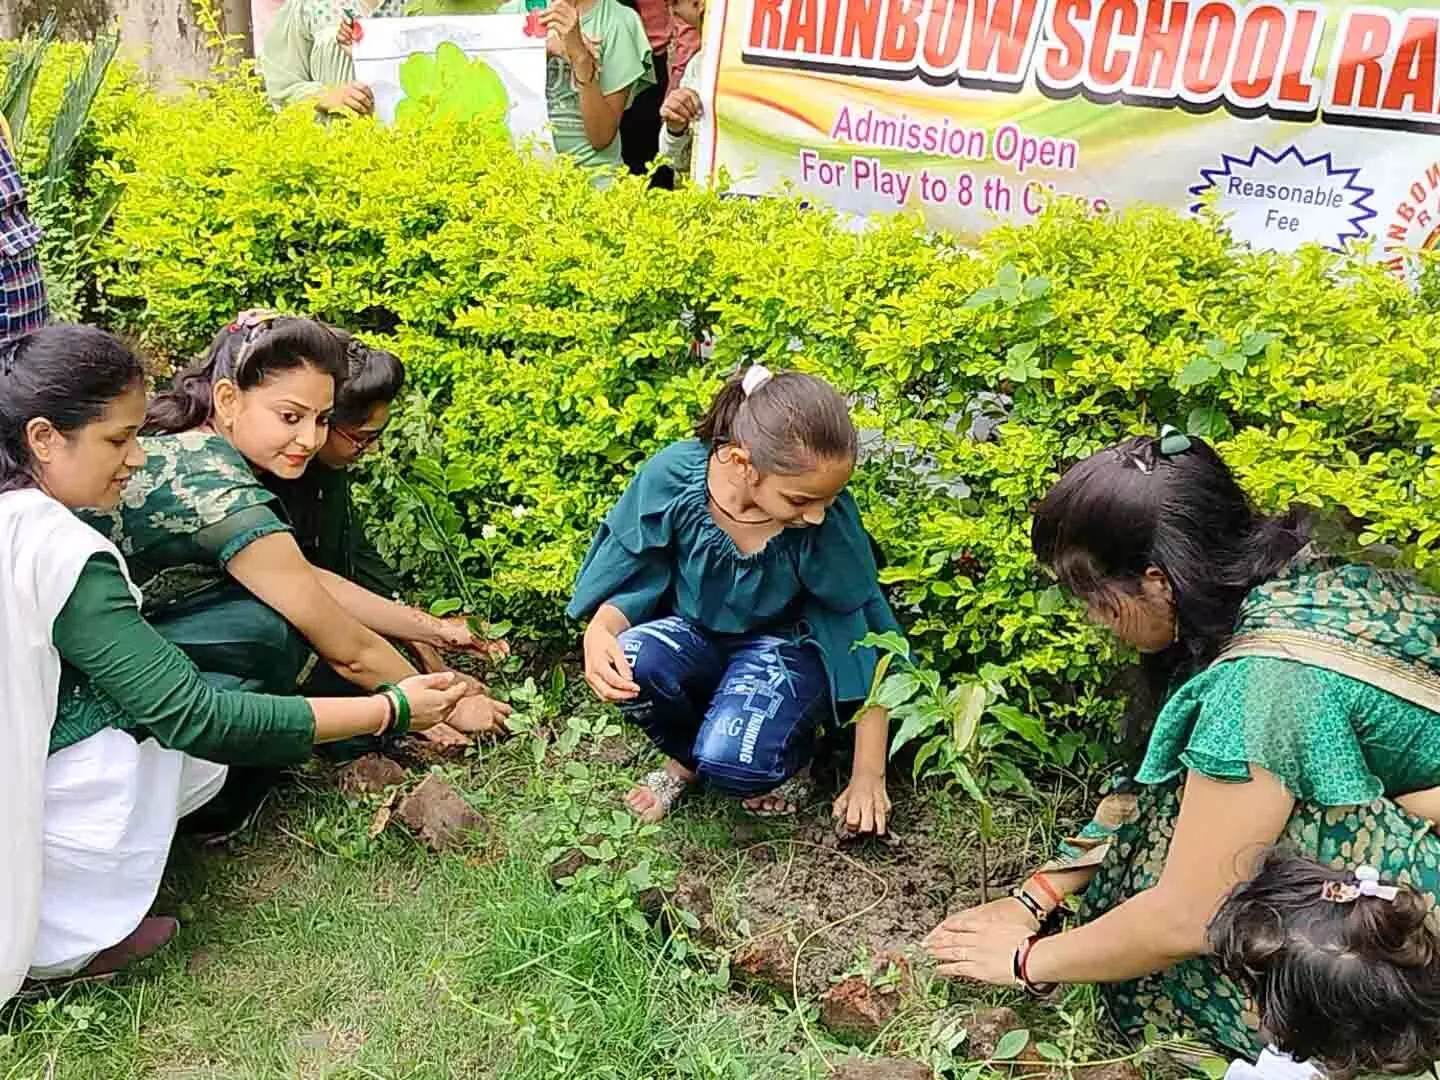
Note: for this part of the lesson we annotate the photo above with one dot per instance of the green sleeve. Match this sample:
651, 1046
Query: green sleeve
1295, 721
625, 57
232, 535
101, 634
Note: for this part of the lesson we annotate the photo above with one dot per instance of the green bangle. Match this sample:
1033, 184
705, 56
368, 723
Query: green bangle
402, 708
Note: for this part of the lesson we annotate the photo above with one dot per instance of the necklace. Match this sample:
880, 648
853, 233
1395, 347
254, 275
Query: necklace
737, 520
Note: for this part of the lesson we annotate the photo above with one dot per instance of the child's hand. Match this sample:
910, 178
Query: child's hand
682, 108
864, 806
606, 669
349, 32
351, 97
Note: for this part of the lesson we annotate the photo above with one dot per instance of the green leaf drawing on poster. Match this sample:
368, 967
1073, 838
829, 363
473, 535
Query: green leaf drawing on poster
452, 7
448, 85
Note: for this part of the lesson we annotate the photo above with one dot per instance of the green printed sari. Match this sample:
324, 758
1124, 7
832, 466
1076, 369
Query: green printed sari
1331, 682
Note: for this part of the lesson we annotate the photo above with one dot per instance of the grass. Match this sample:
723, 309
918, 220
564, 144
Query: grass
315, 951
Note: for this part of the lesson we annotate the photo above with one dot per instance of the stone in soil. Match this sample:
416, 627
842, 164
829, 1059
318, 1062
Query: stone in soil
438, 815
370, 775
987, 1027
768, 960
881, 1069
853, 1009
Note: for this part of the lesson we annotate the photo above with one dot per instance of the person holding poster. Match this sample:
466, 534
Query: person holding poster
682, 108
306, 55
599, 60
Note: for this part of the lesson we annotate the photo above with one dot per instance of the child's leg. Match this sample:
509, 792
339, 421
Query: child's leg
760, 727
677, 669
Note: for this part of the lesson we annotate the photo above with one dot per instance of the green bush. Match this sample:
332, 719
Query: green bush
550, 327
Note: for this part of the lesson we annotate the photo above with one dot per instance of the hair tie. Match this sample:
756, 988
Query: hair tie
756, 377
1173, 441
251, 323
1366, 883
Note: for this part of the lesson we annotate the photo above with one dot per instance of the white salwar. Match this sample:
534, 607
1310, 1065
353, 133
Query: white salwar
84, 834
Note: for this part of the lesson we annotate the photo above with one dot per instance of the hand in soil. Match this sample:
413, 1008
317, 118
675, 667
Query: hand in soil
444, 736
481, 715
770, 806
456, 633
1007, 911
864, 805
982, 951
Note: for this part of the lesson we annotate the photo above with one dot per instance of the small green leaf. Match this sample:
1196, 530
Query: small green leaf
967, 705
1208, 422
1022, 724
1011, 1044
1049, 1051
1198, 372
448, 606
967, 781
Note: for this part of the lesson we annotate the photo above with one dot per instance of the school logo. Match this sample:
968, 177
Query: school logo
1415, 219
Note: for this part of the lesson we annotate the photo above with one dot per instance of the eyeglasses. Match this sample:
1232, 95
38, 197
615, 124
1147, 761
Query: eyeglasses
360, 441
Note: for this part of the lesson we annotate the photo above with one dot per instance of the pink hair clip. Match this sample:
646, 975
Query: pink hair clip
1366, 883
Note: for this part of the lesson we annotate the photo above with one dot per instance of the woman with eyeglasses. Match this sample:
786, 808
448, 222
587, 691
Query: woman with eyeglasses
211, 546
328, 529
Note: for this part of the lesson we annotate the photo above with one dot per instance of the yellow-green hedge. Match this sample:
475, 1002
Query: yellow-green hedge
551, 327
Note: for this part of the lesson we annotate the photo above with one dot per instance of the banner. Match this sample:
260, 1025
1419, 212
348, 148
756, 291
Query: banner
1301, 122
459, 66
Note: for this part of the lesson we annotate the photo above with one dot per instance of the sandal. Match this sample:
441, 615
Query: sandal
666, 787
795, 792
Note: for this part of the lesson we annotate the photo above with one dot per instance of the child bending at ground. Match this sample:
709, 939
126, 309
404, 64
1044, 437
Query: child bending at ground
1345, 970
726, 592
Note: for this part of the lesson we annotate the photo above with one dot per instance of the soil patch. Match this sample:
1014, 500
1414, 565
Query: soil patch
837, 903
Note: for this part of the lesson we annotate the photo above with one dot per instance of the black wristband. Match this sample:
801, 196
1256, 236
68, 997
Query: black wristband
1030, 904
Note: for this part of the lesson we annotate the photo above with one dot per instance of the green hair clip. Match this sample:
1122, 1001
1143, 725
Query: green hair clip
1173, 441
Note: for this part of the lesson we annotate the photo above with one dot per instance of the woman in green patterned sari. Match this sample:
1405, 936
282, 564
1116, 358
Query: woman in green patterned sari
1297, 698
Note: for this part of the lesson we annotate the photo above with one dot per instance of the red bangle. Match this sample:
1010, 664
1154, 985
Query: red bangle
1055, 895
1022, 968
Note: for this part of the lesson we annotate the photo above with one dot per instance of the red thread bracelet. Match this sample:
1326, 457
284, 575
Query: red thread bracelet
1055, 895
1022, 968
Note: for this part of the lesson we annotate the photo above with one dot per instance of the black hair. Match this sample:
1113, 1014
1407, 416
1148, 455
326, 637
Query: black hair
1353, 987
787, 423
248, 351
371, 376
66, 374
1131, 507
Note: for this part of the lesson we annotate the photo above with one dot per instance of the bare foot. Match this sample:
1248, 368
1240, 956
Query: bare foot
785, 799
654, 796
769, 805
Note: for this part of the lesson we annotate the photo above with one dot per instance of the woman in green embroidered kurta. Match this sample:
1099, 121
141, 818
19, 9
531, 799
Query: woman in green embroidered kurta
111, 732
727, 592
224, 577
1305, 707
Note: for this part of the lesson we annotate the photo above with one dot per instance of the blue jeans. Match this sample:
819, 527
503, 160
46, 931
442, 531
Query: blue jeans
739, 710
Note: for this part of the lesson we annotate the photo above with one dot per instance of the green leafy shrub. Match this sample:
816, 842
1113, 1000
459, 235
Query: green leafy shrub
550, 327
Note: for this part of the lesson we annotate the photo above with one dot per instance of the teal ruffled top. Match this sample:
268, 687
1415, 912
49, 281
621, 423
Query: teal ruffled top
660, 552
1330, 739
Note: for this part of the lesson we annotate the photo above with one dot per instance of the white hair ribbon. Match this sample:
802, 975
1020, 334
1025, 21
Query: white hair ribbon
1367, 883
756, 377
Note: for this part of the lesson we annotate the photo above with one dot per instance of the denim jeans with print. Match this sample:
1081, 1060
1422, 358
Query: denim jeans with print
740, 710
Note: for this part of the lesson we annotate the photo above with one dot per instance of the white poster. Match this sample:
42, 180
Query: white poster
464, 67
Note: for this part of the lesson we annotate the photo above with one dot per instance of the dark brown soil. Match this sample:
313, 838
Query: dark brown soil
370, 775
833, 902
437, 814
880, 1069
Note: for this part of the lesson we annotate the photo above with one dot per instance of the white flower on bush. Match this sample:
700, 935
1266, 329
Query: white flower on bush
518, 511
489, 532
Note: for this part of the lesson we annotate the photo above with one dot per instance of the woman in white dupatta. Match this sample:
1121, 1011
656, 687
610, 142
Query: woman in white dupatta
113, 734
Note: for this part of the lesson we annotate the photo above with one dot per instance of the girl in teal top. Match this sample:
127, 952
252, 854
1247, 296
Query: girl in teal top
727, 591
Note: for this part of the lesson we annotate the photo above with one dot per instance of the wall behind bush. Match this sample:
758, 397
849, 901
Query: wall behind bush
550, 327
